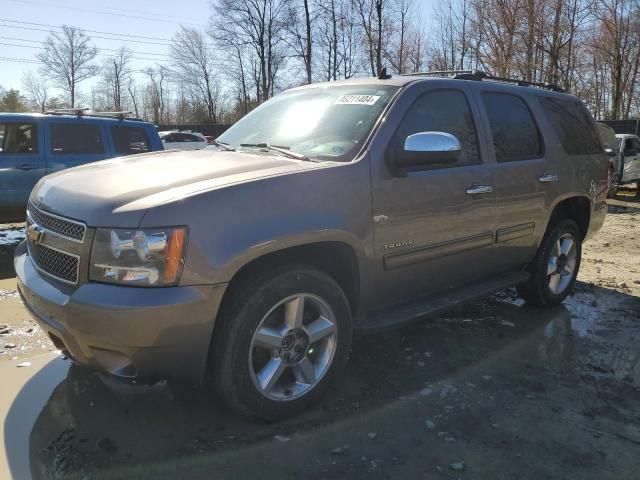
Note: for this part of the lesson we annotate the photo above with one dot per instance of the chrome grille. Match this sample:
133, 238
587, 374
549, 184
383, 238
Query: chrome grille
67, 228
58, 264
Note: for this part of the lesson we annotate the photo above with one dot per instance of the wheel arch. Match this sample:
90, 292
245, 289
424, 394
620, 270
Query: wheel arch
577, 208
336, 258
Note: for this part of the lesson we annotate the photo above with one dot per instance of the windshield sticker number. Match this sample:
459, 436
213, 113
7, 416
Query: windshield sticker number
357, 100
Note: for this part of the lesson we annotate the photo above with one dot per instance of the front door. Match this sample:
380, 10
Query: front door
21, 166
433, 227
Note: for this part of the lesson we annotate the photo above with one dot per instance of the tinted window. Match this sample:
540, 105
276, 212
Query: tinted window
17, 138
571, 122
514, 131
129, 140
76, 138
631, 144
186, 137
441, 111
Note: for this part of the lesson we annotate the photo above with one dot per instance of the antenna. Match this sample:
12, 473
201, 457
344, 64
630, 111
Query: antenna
383, 75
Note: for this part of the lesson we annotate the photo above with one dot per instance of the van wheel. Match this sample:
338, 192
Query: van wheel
555, 268
281, 342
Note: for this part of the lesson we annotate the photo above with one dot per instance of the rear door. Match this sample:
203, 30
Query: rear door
526, 178
74, 142
21, 166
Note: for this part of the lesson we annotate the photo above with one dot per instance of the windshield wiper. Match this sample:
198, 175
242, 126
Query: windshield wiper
281, 149
224, 146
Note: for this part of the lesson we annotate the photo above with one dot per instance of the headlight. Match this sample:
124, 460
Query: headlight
146, 257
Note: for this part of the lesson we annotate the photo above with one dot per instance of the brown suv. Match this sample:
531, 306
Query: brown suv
331, 208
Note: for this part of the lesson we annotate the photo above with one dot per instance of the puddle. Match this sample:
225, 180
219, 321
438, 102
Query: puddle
19, 411
12, 236
63, 421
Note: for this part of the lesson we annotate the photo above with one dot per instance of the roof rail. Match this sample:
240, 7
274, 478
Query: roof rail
436, 73
480, 76
86, 112
67, 111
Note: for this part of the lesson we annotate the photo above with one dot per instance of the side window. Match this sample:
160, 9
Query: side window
632, 145
76, 138
514, 131
441, 111
185, 137
130, 140
571, 122
18, 138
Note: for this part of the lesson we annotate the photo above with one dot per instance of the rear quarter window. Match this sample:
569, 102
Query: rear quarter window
513, 129
573, 126
130, 140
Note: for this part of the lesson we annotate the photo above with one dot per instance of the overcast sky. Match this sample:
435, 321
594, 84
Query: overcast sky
25, 23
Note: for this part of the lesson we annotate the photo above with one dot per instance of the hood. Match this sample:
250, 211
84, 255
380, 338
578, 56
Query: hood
119, 191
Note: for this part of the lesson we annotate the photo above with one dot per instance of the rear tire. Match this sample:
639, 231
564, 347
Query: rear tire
555, 267
281, 341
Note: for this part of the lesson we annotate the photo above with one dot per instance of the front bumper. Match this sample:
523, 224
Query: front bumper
130, 332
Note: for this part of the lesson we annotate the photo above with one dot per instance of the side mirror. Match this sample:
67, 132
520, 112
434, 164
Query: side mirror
428, 148
610, 152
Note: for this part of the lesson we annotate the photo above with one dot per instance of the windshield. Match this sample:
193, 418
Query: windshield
325, 123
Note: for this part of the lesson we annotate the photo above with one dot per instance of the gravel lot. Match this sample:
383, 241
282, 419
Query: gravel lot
494, 389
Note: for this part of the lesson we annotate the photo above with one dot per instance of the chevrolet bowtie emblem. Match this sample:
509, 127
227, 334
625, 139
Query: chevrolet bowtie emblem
35, 233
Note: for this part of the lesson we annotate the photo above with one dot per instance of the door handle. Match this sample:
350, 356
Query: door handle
548, 178
479, 189
26, 166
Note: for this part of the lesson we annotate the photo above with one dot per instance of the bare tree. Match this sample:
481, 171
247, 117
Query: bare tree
156, 92
115, 75
194, 66
261, 26
132, 89
37, 90
300, 35
68, 59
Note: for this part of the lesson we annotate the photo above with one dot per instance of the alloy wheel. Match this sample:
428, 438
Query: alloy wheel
293, 347
562, 263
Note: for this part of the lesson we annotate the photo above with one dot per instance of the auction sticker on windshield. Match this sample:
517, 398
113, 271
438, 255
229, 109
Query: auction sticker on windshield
357, 100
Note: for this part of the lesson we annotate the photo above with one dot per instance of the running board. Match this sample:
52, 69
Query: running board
417, 309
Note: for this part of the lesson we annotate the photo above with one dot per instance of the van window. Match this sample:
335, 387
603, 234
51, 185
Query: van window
76, 138
18, 138
514, 131
130, 140
442, 111
573, 126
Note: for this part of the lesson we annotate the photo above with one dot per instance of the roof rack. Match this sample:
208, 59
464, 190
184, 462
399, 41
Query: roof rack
86, 112
480, 76
437, 73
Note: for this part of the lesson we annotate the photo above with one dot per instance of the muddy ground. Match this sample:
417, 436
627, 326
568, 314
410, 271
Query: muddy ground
494, 389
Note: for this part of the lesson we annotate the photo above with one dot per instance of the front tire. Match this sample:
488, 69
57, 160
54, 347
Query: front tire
281, 341
555, 267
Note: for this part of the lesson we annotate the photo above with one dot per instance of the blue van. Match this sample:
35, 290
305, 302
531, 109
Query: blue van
33, 145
